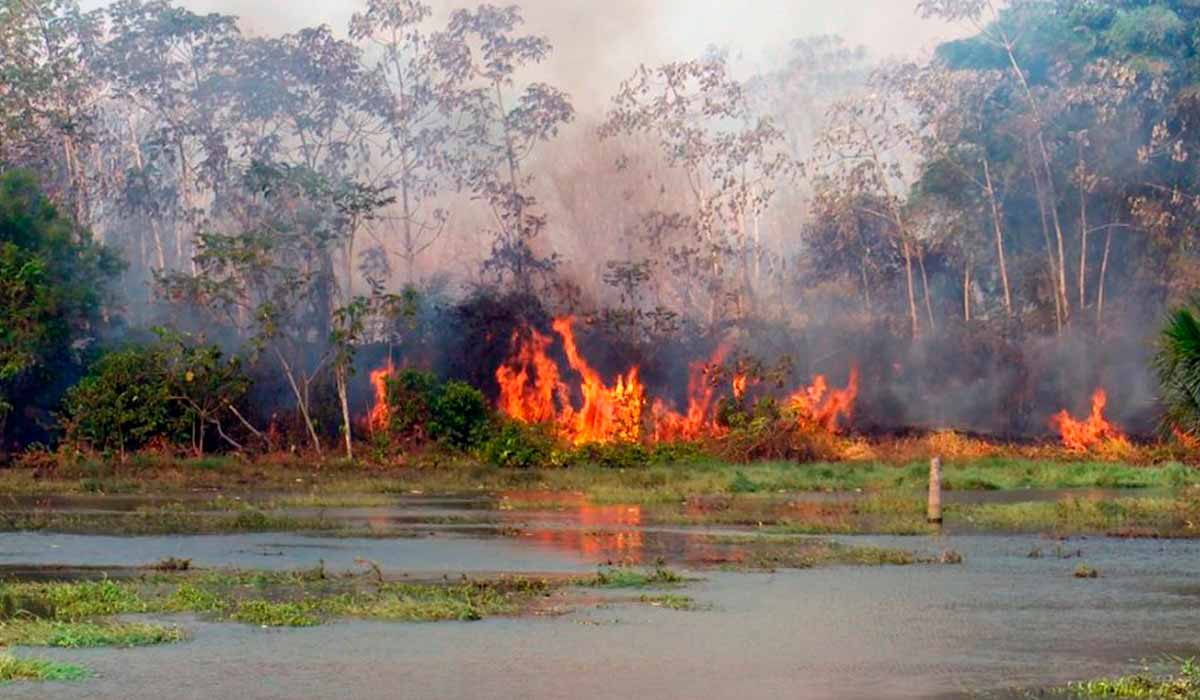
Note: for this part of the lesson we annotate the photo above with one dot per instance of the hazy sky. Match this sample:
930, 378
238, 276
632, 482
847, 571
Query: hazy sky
598, 42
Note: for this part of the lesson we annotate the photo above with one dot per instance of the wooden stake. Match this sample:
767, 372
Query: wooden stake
935, 491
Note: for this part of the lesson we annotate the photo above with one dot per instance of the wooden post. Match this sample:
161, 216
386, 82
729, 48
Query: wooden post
935, 491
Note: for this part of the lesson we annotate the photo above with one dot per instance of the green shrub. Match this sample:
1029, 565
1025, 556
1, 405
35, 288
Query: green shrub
518, 446
409, 396
125, 402
171, 391
459, 415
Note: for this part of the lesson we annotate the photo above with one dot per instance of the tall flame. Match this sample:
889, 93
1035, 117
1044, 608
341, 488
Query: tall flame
1088, 434
532, 391
380, 415
699, 421
818, 405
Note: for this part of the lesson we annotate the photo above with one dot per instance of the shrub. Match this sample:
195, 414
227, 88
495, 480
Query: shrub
171, 391
518, 446
458, 415
125, 402
409, 395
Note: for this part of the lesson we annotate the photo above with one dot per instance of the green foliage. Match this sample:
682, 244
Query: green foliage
124, 403
518, 446
15, 669
53, 287
458, 415
171, 390
1183, 685
409, 395
1178, 366
420, 407
85, 635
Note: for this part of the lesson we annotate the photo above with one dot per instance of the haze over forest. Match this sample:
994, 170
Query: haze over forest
983, 208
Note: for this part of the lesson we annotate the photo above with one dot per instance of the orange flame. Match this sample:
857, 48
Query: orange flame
739, 386
699, 420
533, 391
529, 381
380, 415
818, 405
1095, 431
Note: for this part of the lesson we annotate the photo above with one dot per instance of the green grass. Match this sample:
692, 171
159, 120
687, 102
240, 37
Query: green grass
77, 614
655, 482
80, 635
623, 577
17, 669
1184, 684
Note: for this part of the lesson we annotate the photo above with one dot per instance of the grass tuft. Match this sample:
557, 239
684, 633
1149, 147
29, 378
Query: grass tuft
15, 669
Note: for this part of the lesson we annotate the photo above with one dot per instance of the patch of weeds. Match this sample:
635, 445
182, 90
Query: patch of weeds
744, 484
15, 669
81, 635
1085, 571
671, 601
622, 577
275, 614
1183, 685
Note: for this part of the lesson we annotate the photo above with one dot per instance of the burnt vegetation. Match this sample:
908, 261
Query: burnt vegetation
395, 237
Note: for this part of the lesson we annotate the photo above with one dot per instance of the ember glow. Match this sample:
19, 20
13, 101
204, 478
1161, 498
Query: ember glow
534, 390
1091, 433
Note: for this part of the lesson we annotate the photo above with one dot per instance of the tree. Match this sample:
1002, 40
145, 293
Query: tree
54, 293
701, 120
273, 279
504, 123
49, 97
863, 153
419, 102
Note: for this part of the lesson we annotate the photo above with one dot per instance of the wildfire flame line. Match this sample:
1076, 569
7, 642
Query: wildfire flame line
532, 390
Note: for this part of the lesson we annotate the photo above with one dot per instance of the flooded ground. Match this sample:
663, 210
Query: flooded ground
1011, 616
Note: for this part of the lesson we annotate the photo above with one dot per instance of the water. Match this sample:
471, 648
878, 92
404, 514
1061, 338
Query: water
1001, 620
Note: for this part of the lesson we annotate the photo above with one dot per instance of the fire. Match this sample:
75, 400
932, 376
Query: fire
531, 391
534, 390
699, 420
1095, 431
820, 406
529, 382
739, 386
380, 415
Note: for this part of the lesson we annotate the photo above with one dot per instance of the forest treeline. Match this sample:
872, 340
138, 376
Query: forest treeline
989, 233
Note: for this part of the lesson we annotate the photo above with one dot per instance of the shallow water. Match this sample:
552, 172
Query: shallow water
1001, 620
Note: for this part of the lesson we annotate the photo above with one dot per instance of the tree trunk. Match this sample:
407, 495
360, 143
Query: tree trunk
967, 291
998, 226
912, 295
301, 401
1054, 269
925, 287
346, 423
1083, 231
1103, 275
